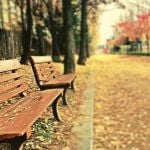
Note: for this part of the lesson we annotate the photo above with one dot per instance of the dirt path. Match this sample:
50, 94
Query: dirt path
122, 103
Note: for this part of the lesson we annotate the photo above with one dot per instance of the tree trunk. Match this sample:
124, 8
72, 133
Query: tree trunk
147, 42
87, 42
40, 40
141, 47
83, 51
54, 30
27, 32
69, 42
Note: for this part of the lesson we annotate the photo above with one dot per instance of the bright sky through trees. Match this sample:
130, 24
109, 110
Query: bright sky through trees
113, 14
110, 16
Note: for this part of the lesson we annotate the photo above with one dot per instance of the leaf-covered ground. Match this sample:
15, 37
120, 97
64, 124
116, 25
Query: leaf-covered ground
121, 109
122, 103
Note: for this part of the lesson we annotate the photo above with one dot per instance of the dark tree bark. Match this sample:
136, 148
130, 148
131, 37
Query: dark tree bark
87, 42
26, 31
41, 48
83, 51
141, 48
147, 43
1, 15
54, 28
68, 37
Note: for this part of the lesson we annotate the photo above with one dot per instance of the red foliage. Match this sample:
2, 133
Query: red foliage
134, 29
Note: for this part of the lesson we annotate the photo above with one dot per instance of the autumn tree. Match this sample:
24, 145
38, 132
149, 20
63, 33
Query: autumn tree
54, 23
68, 38
83, 35
144, 22
27, 23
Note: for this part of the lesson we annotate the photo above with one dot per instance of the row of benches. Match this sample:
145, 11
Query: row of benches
24, 108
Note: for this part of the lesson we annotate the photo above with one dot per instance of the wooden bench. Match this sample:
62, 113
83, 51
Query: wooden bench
47, 77
23, 108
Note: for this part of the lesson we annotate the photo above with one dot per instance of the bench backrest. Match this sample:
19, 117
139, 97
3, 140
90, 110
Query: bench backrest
43, 69
12, 82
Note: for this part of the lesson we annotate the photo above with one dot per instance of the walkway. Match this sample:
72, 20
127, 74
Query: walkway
122, 103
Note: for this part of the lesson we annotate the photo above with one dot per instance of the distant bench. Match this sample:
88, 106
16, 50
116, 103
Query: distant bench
47, 77
22, 109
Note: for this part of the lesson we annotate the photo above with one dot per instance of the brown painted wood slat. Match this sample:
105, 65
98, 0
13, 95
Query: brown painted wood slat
45, 65
9, 108
59, 81
41, 59
12, 93
11, 85
53, 75
12, 111
50, 78
7, 77
41, 78
26, 114
7, 65
45, 75
67, 77
46, 70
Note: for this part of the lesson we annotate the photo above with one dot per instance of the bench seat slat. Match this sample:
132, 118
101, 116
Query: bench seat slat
27, 114
11, 111
61, 80
9, 108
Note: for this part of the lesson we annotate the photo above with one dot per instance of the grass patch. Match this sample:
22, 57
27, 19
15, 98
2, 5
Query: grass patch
139, 53
43, 128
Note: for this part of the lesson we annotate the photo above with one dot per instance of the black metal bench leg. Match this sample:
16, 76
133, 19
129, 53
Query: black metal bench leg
16, 143
72, 86
55, 109
64, 100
